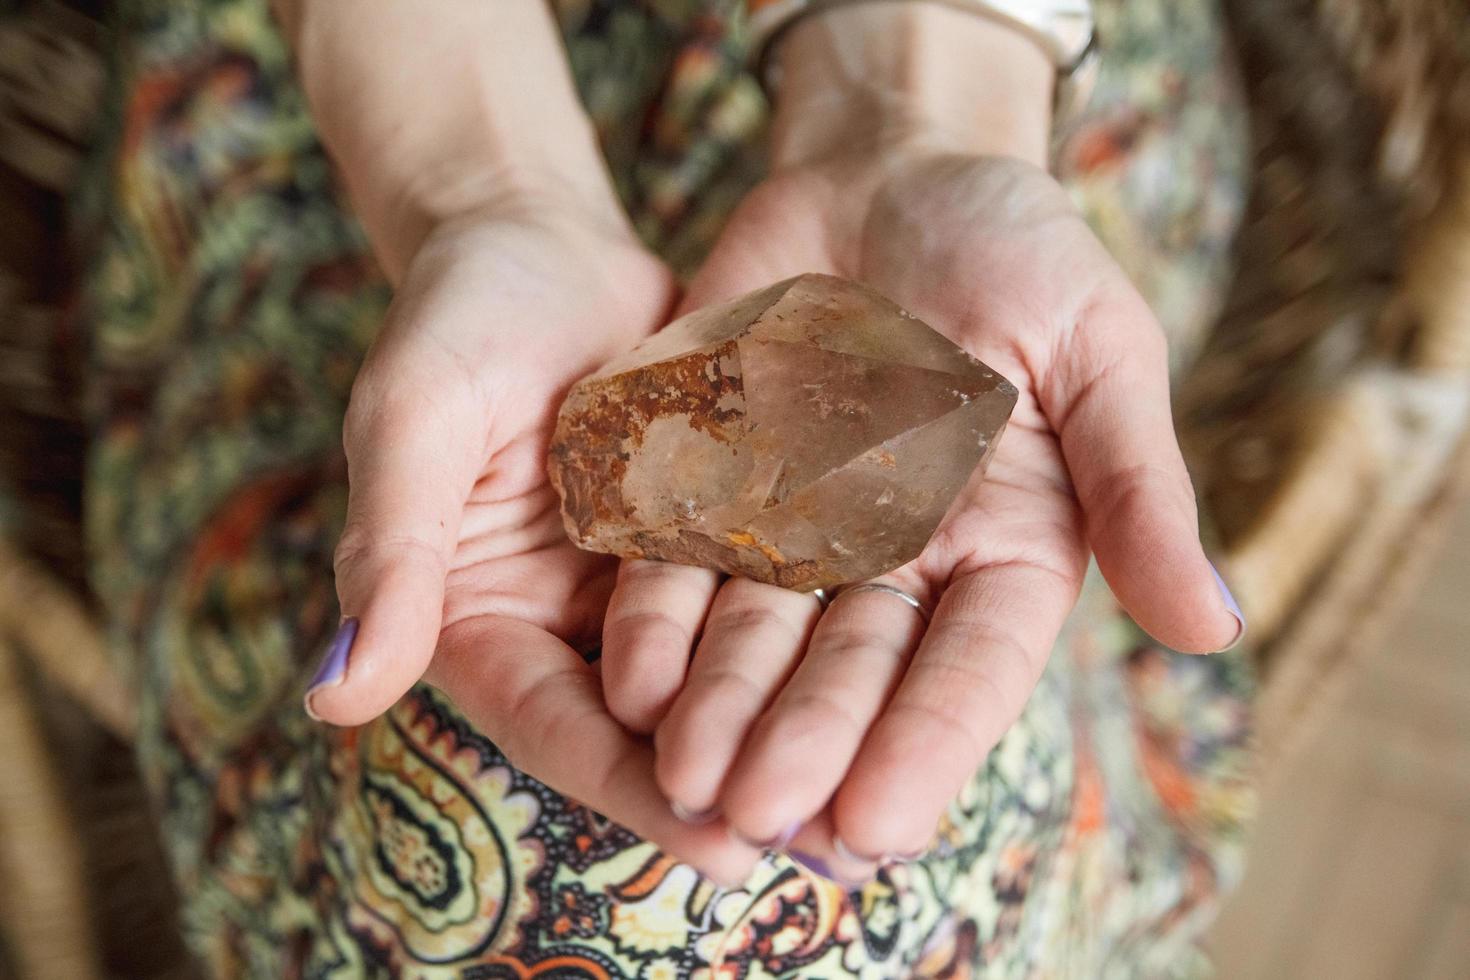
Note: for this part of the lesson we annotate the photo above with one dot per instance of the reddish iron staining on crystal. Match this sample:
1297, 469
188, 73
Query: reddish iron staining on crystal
617, 411
805, 435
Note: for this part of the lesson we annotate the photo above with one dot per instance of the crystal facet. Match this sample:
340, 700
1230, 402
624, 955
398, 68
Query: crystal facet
808, 434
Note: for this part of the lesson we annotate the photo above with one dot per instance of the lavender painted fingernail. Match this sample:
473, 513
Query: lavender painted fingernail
695, 817
819, 867
812, 863
333, 669
786, 836
1231, 605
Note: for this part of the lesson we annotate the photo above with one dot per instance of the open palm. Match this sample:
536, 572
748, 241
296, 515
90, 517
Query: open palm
454, 560
855, 727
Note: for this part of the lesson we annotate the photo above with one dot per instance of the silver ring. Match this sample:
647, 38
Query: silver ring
886, 590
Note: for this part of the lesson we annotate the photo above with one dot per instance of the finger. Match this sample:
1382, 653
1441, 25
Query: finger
409, 473
969, 679
812, 848
535, 698
653, 617
751, 642
1109, 401
800, 749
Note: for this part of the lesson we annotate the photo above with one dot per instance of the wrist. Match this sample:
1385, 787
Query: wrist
469, 110
875, 75
501, 187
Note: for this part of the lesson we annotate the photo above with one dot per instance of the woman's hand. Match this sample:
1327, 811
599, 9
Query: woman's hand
454, 561
860, 724
479, 180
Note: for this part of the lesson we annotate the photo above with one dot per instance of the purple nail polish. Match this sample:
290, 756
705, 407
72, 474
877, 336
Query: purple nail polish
786, 836
819, 867
695, 817
812, 863
334, 662
1231, 605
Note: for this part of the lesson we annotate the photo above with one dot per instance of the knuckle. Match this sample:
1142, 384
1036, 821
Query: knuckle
956, 539
351, 548
663, 575
969, 629
856, 641
635, 700
645, 630
808, 716
1131, 493
742, 618
636, 711
978, 699
359, 547
746, 619
727, 684
943, 731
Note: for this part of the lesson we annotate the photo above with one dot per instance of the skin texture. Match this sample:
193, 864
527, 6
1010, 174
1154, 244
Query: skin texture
896, 161
454, 556
861, 716
859, 726
516, 273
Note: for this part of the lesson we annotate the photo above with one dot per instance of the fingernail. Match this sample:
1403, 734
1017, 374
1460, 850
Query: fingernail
777, 843
888, 857
848, 854
812, 863
819, 867
695, 817
1234, 608
333, 668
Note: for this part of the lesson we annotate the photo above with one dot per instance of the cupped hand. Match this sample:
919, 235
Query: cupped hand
854, 728
454, 560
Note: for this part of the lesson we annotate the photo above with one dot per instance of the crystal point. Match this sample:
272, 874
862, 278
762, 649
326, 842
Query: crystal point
808, 434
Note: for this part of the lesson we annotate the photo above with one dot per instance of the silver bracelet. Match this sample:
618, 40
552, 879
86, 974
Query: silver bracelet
1065, 30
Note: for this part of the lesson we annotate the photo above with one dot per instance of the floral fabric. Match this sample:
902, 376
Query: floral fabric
229, 303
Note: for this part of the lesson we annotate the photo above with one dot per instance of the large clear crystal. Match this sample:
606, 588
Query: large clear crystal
806, 435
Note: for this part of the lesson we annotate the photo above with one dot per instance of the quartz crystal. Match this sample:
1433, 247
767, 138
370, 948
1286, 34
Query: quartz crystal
806, 435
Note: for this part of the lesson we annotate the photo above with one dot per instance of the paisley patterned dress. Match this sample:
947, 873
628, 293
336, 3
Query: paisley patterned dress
229, 301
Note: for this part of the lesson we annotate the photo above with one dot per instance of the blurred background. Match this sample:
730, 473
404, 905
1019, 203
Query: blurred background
1326, 425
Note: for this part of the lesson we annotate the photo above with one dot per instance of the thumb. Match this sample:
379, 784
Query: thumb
1108, 399
410, 468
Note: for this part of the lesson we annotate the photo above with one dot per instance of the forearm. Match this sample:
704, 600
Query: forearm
902, 72
437, 109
